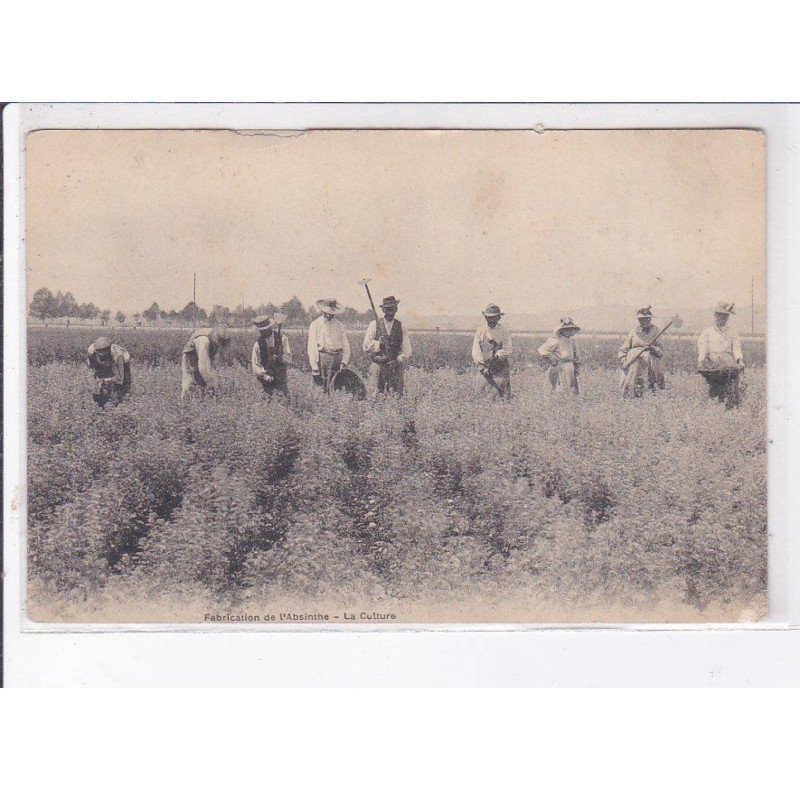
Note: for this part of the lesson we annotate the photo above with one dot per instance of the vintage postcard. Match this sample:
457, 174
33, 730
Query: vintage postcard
396, 376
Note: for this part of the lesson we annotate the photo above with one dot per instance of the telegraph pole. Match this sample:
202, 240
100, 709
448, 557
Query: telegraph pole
752, 306
194, 300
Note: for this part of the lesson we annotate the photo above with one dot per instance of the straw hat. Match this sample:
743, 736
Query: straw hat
724, 308
390, 302
566, 324
329, 305
267, 323
645, 313
101, 344
492, 310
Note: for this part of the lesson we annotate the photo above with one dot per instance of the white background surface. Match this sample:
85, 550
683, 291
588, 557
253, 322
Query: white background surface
400, 744
488, 745
763, 655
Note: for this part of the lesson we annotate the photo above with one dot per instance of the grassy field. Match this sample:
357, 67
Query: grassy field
441, 506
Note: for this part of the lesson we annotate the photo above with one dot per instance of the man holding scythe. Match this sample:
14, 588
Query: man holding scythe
388, 346
643, 348
640, 358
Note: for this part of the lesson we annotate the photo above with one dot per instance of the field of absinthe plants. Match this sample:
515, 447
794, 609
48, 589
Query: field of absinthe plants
444, 505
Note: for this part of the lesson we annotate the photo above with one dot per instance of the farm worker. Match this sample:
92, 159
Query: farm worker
328, 346
561, 355
271, 354
110, 366
197, 360
389, 348
491, 349
645, 370
720, 359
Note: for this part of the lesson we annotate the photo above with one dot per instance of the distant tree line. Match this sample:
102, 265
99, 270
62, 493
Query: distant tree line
48, 306
62, 305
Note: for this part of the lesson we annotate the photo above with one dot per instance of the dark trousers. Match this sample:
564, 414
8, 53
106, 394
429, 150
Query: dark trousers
102, 397
725, 389
498, 376
126, 379
386, 378
279, 382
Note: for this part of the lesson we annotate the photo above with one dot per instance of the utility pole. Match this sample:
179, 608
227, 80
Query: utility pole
752, 306
194, 300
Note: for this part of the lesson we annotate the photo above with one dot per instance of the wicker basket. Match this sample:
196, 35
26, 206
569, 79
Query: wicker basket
721, 374
346, 380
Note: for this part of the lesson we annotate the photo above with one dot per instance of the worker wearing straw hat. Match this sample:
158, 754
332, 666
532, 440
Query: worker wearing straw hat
561, 356
491, 349
720, 359
640, 360
271, 354
389, 348
110, 366
328, 345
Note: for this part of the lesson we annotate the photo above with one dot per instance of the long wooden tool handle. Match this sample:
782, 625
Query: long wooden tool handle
662, 332
651, 343
369, 295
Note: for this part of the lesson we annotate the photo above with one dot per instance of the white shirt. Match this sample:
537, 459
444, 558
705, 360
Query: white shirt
488, 340
373, 344
562, 347
205, 366
325, 334
716, 341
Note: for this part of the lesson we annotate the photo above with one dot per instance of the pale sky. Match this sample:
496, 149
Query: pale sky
445, 220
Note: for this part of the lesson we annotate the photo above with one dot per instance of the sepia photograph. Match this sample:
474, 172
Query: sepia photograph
364, 376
